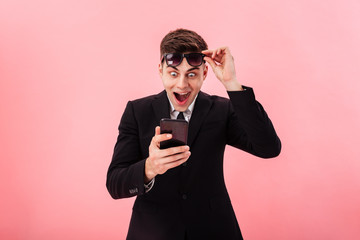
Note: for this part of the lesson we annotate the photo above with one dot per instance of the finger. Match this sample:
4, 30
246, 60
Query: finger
153, 143
157, 130
164, 164
175, 158
223, 50
226, 50
218, 58
208, 52
163, 154
175, 150
162, 137
211, 62
217, 55
164, 158
213, 54
176, 163
216, 52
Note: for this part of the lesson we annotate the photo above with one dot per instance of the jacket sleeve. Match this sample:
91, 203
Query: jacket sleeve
125, 176
249, 127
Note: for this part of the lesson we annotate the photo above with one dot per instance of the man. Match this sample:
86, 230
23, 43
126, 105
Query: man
180, 191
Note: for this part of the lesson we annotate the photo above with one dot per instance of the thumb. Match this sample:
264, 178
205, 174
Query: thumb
157, 130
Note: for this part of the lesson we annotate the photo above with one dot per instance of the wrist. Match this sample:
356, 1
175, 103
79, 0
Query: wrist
148, 174
233, 85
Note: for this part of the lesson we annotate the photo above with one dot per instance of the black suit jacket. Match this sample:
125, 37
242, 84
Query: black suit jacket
190, 199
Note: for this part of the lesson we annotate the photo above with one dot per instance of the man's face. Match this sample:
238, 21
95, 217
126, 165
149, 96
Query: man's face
182, 83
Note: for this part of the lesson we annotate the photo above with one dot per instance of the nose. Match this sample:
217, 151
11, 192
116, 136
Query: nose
182, 82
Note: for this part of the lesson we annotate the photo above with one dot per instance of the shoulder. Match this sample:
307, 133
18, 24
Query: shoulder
146, 102
214, 99
213, 103
145, 106
148, 99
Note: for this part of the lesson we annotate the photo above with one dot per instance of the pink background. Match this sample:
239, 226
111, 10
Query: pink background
67, 69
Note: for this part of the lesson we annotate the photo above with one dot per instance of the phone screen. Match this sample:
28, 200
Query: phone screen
179, 130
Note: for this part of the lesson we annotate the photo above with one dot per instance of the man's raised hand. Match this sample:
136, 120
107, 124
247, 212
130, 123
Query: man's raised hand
222, 63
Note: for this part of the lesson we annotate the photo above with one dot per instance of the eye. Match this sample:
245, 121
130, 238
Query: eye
191, 75
173, 74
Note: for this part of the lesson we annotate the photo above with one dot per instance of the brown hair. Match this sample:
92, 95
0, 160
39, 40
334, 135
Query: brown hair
182, 41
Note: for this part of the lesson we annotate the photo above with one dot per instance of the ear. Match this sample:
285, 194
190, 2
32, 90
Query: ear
160, 70
206, 68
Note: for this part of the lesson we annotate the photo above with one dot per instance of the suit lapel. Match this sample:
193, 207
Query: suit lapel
201, 108
161, 106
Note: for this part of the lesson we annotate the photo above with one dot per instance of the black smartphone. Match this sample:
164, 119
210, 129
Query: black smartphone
179, 130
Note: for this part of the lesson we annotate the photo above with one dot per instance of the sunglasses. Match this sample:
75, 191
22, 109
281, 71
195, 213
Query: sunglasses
175, 59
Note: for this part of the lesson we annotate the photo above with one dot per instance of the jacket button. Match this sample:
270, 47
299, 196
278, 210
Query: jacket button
184, 164
184, 196
134, 190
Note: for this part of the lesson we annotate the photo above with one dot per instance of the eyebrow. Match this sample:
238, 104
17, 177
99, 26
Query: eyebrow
189, 70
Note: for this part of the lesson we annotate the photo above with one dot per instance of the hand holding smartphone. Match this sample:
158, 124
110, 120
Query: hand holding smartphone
179, 130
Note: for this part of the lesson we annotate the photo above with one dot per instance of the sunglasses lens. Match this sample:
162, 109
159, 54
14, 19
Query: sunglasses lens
173, 59
195, 59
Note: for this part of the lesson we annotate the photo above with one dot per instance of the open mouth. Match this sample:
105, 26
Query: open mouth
182, 97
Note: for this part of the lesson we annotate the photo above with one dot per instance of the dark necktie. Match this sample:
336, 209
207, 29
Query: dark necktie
181, 116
